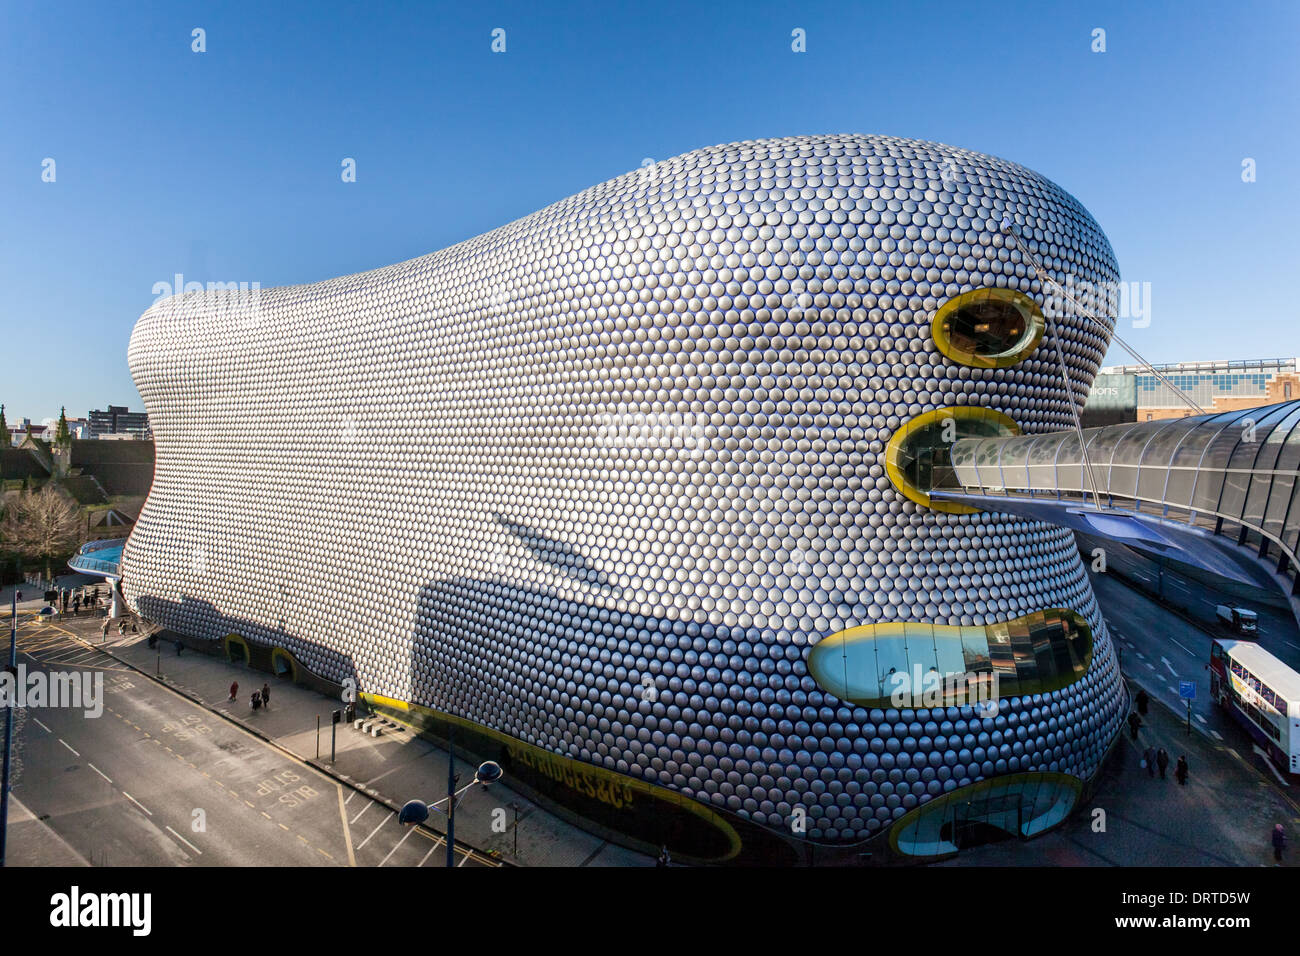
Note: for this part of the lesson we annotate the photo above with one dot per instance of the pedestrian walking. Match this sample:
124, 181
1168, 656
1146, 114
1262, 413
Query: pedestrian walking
103, 629
664, 859
1149, 761
234, 689
266, 696
20, 597
1279, 842
1134, 722
1142, 701
257, 699
76, 605
1162, 761
1180, 771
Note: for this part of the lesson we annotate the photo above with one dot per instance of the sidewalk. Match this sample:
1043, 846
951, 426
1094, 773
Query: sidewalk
393, 768
1222, 817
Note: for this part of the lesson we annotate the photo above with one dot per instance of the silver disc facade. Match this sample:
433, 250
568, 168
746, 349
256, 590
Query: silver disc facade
599, 479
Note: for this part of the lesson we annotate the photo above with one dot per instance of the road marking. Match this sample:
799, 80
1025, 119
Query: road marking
251, 804
283, 827
183, 840
1174, 691
363, 810
463, 859
1189, 653
137, 803
1289, 644
373, 832
1141, 655
1217, 735
350, 796
1149, 664
302, 838
98, 771
265, 814
65, 743
409, 831
1280, 779
1200, 718
1165, 660
437, 842
42, 726
347, 831
323, 853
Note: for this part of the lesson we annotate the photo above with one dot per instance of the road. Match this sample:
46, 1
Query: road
157, 780
1158, 649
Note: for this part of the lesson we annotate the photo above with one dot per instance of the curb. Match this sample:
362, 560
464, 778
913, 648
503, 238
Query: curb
324, 768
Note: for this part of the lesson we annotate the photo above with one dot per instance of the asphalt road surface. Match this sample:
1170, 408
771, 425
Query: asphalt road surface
1158, 649
156, 781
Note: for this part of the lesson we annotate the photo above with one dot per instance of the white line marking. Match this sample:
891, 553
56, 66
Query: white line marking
1149, 664
42, 726
1165, 660
463, 859
1174, 691
349, 799
137, 803
409, 831
363, 810
1267, 760
98, 771
373, 832
185, 841
437, 842
1200, 718
65, 743
1141, 655
1189, 653
1217, 735
1289, 644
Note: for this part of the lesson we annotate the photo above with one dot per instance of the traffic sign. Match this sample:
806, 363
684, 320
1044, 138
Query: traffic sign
1187, 689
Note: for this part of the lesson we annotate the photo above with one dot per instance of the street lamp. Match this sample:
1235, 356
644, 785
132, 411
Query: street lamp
415, 812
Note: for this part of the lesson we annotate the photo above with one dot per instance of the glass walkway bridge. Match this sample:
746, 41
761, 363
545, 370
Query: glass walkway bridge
100, 558
1219, 492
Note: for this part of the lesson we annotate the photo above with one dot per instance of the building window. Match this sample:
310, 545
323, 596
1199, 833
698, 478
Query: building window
988, 328
1150, 416
1286, 389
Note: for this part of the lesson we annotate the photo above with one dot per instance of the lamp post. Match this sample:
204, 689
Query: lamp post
415, 812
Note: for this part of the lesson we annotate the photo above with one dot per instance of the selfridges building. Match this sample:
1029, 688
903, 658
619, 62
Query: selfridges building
631, 492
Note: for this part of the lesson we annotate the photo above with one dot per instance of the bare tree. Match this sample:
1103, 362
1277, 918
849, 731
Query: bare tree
42, 526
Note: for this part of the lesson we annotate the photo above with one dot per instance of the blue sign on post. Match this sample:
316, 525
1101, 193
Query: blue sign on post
1187, 689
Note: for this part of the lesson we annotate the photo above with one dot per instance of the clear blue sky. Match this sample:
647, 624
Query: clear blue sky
224, 166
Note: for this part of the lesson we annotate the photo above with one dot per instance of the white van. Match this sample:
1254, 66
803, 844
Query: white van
1238, 620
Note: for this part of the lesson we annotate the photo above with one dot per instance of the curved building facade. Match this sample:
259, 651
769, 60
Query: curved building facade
594, 484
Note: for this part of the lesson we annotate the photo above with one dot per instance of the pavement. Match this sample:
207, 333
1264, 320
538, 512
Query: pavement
376, 774
1222, 817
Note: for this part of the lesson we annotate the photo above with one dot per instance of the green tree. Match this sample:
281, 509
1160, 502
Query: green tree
6, 436
62, 436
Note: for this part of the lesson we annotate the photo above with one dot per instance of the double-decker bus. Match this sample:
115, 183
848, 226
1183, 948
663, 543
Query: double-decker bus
1263, 694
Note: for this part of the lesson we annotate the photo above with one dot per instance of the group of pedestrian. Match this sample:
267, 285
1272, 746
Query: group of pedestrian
1153, 758
261, 698
1158, 759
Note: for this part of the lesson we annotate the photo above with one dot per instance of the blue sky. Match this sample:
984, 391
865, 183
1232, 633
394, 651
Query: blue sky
224, 166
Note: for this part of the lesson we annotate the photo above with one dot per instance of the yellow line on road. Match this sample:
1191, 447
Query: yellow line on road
347, 832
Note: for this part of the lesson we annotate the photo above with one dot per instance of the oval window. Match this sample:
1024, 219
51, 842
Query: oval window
988, 328
918, 457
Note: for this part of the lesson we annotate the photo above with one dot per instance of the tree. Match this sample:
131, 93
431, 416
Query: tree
42, 526
6, 436
62, 435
